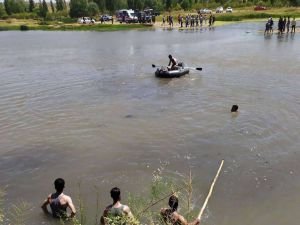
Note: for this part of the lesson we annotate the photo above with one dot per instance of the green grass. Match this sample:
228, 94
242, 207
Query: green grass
14, 24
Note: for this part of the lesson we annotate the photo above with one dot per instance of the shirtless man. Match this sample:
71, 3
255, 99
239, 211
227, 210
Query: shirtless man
115, 209
59, 202
172, 63
170, 215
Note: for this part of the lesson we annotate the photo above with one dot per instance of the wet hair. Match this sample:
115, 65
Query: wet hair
59, 184
115, 193
173, 203
234, 108
170, 56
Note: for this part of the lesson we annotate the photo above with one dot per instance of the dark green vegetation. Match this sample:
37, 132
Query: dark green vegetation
78, 8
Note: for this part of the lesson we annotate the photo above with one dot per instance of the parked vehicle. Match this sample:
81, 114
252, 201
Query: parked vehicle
229, 10
219, 9
126, 16
105, 18
205, 11
258, 8
85, 20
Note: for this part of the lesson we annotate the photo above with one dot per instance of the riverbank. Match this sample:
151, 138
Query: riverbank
15, 24
239, 14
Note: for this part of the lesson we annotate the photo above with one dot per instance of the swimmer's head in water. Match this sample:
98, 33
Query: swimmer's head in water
234, 108
59, 184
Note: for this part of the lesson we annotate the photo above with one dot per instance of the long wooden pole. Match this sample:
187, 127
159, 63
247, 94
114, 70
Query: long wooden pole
210, 191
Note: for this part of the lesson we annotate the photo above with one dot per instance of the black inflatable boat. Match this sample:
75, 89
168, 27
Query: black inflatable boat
165, 73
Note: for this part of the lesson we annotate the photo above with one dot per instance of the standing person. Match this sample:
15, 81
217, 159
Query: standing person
163, 21
288, 25
293, 25
171, 216
271, 24
59, 202
116, 209
284, 24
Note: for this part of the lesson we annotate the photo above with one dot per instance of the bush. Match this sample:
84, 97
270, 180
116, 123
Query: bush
24, 27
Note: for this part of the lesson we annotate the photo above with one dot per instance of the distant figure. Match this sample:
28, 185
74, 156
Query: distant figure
293, 23
234, 108
163, 21
172, 63
171, 216
115, 209
268, 27
288, 25
59, 202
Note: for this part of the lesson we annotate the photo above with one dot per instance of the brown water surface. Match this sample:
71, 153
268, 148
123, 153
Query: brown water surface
86, 106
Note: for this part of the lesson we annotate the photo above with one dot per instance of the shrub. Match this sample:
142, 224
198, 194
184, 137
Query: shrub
24, 27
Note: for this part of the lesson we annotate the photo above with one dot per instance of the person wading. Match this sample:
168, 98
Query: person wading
116, 209
171, 216
59, 202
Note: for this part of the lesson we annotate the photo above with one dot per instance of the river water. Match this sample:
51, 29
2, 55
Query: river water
87, 107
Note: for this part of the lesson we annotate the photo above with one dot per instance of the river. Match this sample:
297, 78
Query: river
87, 107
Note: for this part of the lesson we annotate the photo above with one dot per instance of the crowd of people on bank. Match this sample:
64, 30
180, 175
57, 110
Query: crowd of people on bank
284, 25
59, 203
190, 20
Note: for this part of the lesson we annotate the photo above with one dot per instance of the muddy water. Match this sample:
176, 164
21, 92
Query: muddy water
86, 106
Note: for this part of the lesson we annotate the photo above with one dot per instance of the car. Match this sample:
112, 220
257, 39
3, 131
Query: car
219, 9
106, 18
229, 10
259, 7
204, 11
86, 20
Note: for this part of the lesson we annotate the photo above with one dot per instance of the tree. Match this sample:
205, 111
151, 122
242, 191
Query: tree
185, 4
7, 7
131, 4
78, 8
2, 10
92, 9
31, 5
168, 4
101, 4
43, 9
59, 5
52, 6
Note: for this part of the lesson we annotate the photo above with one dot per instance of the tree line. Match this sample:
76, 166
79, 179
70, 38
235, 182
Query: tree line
79, 8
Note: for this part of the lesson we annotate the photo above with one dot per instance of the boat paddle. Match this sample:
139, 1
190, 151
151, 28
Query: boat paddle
210, 191
192, 68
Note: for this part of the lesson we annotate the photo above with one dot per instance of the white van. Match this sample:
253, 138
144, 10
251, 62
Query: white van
126, 16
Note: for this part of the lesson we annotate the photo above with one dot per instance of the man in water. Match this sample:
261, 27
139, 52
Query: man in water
115, 209
172, 63
59, 202
171, 216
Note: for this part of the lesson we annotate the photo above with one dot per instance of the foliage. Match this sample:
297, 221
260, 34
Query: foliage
59, 5
52, 6
43, 9
2, 11
92, 9
14, 6
78, 8
31, 5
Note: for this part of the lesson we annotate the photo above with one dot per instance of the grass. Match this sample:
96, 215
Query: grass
14, 24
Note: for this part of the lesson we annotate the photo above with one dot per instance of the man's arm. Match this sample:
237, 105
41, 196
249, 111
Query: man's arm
72, 207
184, 221
128, 211
44, 205
102, 220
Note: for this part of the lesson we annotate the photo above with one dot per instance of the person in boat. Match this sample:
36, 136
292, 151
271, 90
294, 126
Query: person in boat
59, 202
116, 208
171, 216
172, 63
